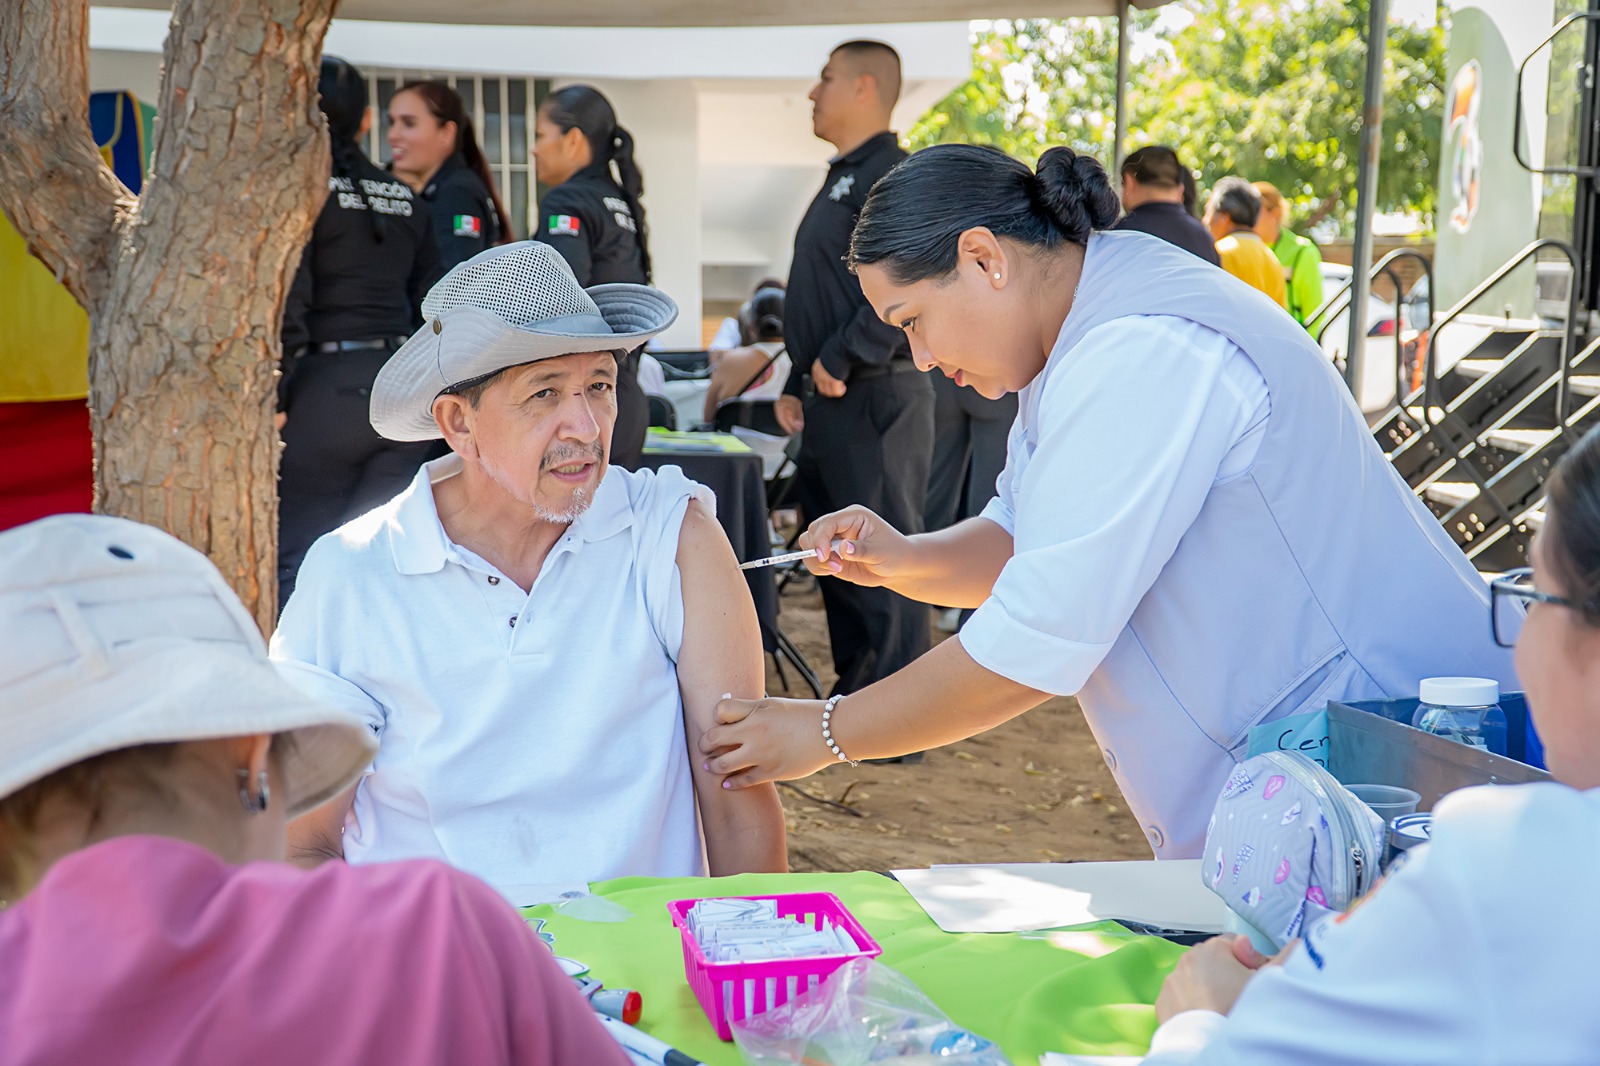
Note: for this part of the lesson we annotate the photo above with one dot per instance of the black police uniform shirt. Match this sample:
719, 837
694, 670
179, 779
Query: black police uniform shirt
1174, 224
350, 285
587, 219
464, 219
826, 316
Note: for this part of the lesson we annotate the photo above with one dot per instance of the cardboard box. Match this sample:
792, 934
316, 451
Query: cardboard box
1372, 742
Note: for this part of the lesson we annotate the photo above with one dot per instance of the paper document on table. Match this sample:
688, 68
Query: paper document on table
1057, 1058
1011, 897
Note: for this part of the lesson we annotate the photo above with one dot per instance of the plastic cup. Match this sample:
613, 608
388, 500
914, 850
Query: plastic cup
1387, 801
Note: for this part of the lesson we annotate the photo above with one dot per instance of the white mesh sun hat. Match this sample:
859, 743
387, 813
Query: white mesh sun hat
505, 307
118, 635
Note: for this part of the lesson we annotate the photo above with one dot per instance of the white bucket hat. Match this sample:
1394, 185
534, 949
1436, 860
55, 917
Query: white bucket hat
502, 308
118, 635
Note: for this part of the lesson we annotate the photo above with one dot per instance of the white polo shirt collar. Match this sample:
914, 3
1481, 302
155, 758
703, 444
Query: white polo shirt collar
420, 545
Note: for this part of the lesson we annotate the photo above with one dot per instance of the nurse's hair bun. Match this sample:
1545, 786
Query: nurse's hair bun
1076, 193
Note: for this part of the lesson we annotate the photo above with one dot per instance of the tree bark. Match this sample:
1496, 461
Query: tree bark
184, 287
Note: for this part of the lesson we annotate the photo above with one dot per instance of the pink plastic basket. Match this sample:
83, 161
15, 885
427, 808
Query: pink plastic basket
737, 990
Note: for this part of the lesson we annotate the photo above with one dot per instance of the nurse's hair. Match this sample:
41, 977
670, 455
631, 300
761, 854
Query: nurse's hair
1572, 525
916, 213
585, 108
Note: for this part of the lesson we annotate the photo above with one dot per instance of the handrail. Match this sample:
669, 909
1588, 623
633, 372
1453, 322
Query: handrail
1343, 293
1568, 338
1516, 121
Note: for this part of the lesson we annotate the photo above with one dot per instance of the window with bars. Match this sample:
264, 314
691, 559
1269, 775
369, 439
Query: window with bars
502, 111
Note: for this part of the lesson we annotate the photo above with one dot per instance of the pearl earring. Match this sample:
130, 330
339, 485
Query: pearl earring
997, 275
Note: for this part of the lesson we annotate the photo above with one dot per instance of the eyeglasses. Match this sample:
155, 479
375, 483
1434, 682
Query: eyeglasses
1509, 596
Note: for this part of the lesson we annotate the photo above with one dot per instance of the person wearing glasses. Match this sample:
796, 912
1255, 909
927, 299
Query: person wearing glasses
1195, 532
1439, 966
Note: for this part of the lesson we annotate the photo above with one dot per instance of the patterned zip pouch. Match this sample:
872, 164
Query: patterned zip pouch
1288, 845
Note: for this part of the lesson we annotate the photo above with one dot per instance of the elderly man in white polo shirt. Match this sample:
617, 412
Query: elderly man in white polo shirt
528, 632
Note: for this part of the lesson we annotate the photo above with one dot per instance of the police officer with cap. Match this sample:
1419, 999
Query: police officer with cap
355, 299
869, 428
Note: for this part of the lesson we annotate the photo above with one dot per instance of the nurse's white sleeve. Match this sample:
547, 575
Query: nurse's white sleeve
1132, 430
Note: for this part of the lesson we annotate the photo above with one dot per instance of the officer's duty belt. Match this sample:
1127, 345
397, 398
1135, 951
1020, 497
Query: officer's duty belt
329, 347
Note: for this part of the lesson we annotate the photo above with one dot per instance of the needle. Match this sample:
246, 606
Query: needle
838, 545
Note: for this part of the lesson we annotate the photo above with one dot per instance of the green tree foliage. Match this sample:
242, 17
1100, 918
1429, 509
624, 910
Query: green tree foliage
1270, 91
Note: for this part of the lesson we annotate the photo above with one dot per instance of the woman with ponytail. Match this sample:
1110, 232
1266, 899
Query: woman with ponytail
592, 216
434, 150
356, 297
1195, 532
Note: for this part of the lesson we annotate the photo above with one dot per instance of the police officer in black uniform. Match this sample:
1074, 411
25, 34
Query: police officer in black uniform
592, 216
868, 430
355, 298
436, 152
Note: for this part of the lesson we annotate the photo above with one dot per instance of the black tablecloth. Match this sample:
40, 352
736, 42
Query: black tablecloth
735, 479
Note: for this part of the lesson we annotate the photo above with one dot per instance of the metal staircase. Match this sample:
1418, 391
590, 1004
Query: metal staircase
1478, 440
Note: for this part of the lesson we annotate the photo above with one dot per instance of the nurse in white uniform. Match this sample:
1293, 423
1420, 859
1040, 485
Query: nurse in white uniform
1195, 532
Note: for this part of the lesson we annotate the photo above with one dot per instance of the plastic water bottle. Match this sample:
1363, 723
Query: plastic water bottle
1463, 709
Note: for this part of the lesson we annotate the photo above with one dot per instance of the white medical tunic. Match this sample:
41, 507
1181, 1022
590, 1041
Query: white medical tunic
1206, 537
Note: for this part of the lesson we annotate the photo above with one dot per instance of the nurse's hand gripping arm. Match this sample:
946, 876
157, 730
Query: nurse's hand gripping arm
955, 567
721, 653
940, 698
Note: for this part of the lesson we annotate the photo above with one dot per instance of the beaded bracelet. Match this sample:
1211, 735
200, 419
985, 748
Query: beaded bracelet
827, 731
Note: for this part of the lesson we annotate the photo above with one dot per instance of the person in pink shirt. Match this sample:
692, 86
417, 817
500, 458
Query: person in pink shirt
150, 759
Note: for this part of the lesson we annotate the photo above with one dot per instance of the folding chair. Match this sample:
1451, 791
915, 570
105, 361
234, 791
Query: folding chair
661, 412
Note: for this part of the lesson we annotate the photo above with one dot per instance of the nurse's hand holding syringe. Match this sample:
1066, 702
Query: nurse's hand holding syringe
942, 697
954, 567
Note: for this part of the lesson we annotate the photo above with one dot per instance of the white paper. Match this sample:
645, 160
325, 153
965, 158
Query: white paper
1012, 897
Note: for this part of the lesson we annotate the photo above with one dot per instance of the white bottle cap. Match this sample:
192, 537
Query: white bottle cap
1459, 691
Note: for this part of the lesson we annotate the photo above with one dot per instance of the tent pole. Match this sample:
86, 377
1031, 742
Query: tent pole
1366, 193
1120, 132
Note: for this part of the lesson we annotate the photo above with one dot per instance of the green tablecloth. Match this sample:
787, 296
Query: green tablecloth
670, 440
1028, 995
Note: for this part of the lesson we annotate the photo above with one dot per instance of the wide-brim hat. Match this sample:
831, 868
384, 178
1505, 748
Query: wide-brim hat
506, 307
118, 635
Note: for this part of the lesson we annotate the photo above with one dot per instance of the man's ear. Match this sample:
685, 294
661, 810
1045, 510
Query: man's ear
454, 417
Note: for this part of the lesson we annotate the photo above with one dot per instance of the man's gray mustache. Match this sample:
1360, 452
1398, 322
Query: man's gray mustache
573, 455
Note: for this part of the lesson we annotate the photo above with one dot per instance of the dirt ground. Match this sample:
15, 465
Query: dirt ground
1033, 790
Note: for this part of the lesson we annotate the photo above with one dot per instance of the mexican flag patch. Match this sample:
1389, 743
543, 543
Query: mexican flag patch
563, 226
467, 225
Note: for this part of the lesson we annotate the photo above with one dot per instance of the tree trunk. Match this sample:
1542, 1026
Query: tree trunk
184, 287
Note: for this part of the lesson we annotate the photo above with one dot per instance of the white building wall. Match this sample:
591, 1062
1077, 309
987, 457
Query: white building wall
720, 116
